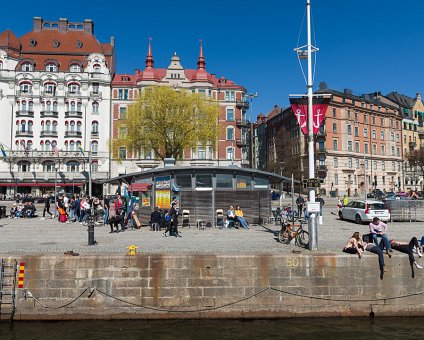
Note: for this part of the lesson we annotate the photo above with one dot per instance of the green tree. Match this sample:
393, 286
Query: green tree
168, 122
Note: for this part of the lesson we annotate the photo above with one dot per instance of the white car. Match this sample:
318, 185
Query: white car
364, 211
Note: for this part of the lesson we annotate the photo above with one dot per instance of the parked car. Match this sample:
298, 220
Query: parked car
364, 211
377, 193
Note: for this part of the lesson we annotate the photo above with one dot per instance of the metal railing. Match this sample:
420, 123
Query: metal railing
406, 210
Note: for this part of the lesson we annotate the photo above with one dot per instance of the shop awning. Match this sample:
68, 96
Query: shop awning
38, 184
139, 187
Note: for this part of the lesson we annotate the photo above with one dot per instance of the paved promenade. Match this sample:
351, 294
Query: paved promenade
36, 236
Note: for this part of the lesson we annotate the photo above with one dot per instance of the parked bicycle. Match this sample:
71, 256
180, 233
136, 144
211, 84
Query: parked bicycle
290, 231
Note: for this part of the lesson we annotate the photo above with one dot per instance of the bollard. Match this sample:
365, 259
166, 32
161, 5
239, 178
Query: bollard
90, 230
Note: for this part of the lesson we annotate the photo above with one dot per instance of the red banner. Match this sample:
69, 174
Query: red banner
300, 110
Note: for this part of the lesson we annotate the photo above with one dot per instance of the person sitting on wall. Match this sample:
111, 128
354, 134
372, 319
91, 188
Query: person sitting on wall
408, 248
354, 245
231, 217
379, 229
239, 217
376, 249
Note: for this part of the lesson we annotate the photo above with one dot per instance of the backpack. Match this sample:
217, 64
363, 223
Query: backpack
167, 218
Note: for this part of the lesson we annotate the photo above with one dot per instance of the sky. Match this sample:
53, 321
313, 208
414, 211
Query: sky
364, 45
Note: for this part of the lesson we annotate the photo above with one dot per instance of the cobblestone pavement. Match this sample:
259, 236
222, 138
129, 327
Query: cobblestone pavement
23, 236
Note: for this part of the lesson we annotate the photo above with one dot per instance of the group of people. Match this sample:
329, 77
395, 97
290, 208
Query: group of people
22, 210
301, 203
235, 217
369, 242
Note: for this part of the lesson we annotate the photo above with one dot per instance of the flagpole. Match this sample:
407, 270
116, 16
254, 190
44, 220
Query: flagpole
312, 223
89, 171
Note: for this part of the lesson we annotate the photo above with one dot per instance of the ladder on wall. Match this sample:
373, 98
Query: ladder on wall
8, 269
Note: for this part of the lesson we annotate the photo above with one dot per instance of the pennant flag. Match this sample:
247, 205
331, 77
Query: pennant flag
82, 151
300, 110
3, 151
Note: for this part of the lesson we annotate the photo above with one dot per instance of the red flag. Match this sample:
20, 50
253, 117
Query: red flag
300, 110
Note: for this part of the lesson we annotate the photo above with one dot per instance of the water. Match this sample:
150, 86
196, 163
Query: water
328, 328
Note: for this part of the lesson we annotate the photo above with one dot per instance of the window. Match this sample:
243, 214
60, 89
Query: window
122, 132
230, 96
374, 134
373, 120
230, 133
336, 162
50, 67
243, 182
48, 166
27, 67
335, 127
75, 68
392, 136
349, 163
356, 117
393, 150
122, 112
393, 166
356, 131
224, 181
25, 88
334, 113
203, 181
398, 152
335, 145
336, 178
73, 88
365, 132
366, 164
357, 163
50, 88
375, 165
374, 149
357, 147
230, 153
349, 146
73, 166
122, 93
382, 135
349, 129
95, 127
201, 152
230, 114
47, 126
95, 107
95, 88
183, 181
365, 119
348, 114
382, 150
383, 166
397, 137
366, 147
94, 148
24, 166
122, 153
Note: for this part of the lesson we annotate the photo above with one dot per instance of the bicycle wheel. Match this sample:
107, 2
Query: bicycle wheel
284, 236
302, 239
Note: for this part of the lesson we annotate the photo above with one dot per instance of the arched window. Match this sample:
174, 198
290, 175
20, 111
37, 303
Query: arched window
94, 147
72, 126
49, 88
79, 126
54, 144
48, 166
23, 126
79, 106
27, 67
24, 105
73, 88
230, 133
48, 106
55, 106
54, 126
47, 126
75, 68
97, 68
30, 124
24, 166
51, 67
30, 106
95, 127
72, 146
230, 153
95, 107
73, 107
29, 145
25, 87
73, 166
48, 146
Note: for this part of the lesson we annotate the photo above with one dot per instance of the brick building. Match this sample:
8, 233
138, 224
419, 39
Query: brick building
233, 142
55, 102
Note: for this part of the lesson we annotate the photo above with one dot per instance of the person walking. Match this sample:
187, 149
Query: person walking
300, 201
321, 203
46, 206
174, 219
345, 200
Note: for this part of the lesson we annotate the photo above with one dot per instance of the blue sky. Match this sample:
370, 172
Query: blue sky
364, 45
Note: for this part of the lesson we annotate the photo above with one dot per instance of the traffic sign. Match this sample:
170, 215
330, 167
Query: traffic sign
311, 183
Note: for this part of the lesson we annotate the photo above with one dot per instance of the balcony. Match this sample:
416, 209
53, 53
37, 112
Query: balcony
241, 142
77, 134
94, 134
48, 134
48, 93
73, 93
73, 114
49, 114
241, 122
24, 93
24, 113
95, 94
242, 105
24, 134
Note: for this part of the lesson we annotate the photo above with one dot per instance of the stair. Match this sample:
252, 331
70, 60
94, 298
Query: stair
8, 269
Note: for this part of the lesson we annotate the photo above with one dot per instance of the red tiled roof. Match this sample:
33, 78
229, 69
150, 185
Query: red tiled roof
10, 42
275, 111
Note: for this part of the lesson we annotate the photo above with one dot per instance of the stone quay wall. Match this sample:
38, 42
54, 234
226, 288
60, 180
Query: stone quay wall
215, 286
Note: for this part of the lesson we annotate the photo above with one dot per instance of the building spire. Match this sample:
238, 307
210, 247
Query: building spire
149, 59
201, 63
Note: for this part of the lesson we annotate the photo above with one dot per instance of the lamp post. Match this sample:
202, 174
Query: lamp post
251, 96
56, 168
89, 171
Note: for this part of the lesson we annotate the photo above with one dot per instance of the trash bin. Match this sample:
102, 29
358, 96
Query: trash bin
2, 211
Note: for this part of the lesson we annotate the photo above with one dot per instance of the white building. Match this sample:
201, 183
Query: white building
55, 106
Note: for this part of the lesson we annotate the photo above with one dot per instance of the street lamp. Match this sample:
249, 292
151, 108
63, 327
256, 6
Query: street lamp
56, 168
251, 96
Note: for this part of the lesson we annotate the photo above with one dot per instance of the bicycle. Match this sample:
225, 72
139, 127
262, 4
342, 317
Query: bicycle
290, 231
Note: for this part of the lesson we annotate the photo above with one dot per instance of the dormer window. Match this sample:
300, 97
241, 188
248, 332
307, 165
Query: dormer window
75, 68
27, 67
50, 67
125, 78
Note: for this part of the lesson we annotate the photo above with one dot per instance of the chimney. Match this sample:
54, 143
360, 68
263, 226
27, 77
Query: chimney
38, 24
89, 27
63, 24
323, 85
112, 41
